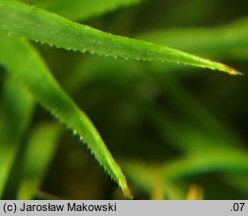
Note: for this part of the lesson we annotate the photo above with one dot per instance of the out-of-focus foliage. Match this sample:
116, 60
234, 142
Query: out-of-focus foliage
16, 111
38, 154
178, 132
81, 10
229, 41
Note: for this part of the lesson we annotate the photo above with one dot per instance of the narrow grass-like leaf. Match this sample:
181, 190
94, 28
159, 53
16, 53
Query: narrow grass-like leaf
229, 40
82, 9
15, 114
224, 161
37, 157
39, 25
24, 63
216, 160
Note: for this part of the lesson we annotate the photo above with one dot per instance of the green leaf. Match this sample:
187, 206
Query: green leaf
16, 110
37, 157
39, 25
21, 60
81, 9
217, 160
221, 160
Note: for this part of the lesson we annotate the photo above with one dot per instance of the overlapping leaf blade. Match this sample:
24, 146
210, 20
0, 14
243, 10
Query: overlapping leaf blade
37, 158
46, 90
221, 161
15, 114
81, 9
39, 25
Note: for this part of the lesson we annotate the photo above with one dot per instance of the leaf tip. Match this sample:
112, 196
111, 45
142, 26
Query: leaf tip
229, 70
233, 71
125, 188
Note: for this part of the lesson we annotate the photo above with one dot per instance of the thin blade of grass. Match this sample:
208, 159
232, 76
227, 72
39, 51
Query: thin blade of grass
16, 109
39, 25
37, 158
224, 161
216, 160
82, 9
21, 60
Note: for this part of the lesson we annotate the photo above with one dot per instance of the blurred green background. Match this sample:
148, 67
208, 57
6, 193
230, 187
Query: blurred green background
171, 128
